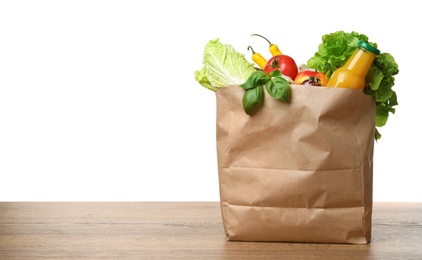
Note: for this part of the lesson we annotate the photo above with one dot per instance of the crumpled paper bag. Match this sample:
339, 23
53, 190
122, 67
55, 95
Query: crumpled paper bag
298, 172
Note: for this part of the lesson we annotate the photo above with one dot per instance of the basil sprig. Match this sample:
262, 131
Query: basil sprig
277, 87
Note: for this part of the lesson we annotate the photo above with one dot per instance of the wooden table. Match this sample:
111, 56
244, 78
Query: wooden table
185, 230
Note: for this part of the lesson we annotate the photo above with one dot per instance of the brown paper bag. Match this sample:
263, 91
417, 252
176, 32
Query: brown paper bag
298, 172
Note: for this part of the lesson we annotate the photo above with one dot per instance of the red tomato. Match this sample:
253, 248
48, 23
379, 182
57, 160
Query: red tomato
283, 63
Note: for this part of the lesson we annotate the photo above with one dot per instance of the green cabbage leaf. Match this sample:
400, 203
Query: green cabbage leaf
222, 66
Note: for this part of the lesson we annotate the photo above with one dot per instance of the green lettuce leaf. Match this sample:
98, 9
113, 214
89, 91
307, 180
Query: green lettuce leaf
379, 83
335, 50
222, 66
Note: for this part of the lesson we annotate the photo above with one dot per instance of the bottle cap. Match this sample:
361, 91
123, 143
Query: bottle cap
369, 47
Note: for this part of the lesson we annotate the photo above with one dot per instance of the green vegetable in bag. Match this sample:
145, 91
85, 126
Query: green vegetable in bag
276, 86
222, 66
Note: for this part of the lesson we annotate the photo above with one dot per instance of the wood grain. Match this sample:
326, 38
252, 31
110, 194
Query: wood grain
183, 230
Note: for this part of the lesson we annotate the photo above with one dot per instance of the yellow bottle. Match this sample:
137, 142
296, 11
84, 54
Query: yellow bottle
353, 73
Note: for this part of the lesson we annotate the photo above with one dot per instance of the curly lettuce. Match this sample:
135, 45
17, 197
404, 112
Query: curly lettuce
335, 50
222, 66
379, 83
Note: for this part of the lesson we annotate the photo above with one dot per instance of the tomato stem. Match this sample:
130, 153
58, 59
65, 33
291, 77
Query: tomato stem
275, 63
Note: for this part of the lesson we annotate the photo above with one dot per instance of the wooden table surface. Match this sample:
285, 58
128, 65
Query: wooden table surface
182, 230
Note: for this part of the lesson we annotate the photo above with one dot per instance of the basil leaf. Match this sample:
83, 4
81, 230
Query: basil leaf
252, 99
275, 73
257, 78
279, 88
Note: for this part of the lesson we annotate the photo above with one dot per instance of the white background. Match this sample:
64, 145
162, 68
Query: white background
98, 99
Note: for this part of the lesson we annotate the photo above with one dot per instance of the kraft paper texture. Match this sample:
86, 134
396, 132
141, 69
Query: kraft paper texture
298, 172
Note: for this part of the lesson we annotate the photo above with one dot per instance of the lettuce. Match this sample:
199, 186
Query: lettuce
379, 83
222, 66
335, 50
